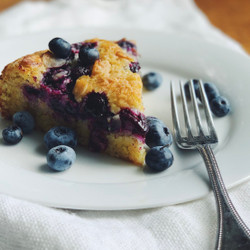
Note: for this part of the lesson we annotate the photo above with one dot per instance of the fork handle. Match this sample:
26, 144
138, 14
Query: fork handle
232, 231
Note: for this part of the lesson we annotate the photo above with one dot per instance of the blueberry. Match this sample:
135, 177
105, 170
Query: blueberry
151, 120
196, 88
158, 134
97, 105
61, 157
134, 67
128, 46
60, 48
159, 158
152, 80
133, 121
88, 55
220, 106
79, 70
60, 136
12, 134
24, 120
211, 91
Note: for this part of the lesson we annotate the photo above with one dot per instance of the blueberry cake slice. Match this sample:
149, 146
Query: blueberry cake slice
93, 87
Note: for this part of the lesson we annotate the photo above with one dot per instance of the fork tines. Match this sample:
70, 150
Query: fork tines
191, 140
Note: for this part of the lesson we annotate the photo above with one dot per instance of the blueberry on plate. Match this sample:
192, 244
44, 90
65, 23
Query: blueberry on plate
60, 48
210, 90
152, 80
61, 157
24, 120
60, 136
88, 55
12, 134
220, 106
158, 134
196, 88
159, 158
152, 119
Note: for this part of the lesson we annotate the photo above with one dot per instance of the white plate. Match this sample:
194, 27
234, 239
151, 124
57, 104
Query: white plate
99, 182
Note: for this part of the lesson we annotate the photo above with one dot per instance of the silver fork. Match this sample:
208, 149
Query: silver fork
232, 231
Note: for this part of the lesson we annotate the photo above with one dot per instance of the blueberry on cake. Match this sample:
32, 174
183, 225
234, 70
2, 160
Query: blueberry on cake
93, 87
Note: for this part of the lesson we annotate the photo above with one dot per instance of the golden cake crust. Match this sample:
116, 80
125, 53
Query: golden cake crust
110, 74
28, 69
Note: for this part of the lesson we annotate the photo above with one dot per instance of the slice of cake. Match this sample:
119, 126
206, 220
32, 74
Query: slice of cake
93, 87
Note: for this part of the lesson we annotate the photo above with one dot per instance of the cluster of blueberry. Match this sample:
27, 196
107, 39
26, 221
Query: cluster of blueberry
158, 138
23, 123
88, 54
58, 82
62, 49
60, 141
219, 105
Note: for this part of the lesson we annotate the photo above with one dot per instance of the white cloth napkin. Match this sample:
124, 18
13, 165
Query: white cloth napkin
24, 225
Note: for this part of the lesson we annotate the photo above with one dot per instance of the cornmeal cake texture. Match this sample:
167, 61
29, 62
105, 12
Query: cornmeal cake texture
101, 101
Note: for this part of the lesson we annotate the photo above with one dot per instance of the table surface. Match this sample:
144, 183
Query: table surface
231, 16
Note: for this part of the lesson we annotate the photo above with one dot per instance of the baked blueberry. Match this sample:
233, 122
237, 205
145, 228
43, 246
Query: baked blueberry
134, 67
61, 157
159, 158
24, 120
88, 55
97, 105
115, 123
12, 134
133, 121
220, 106
152, 80
98, 141
196, 89
128, 46
158, 134
60, 136
60, 48
125, 44
79, 70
